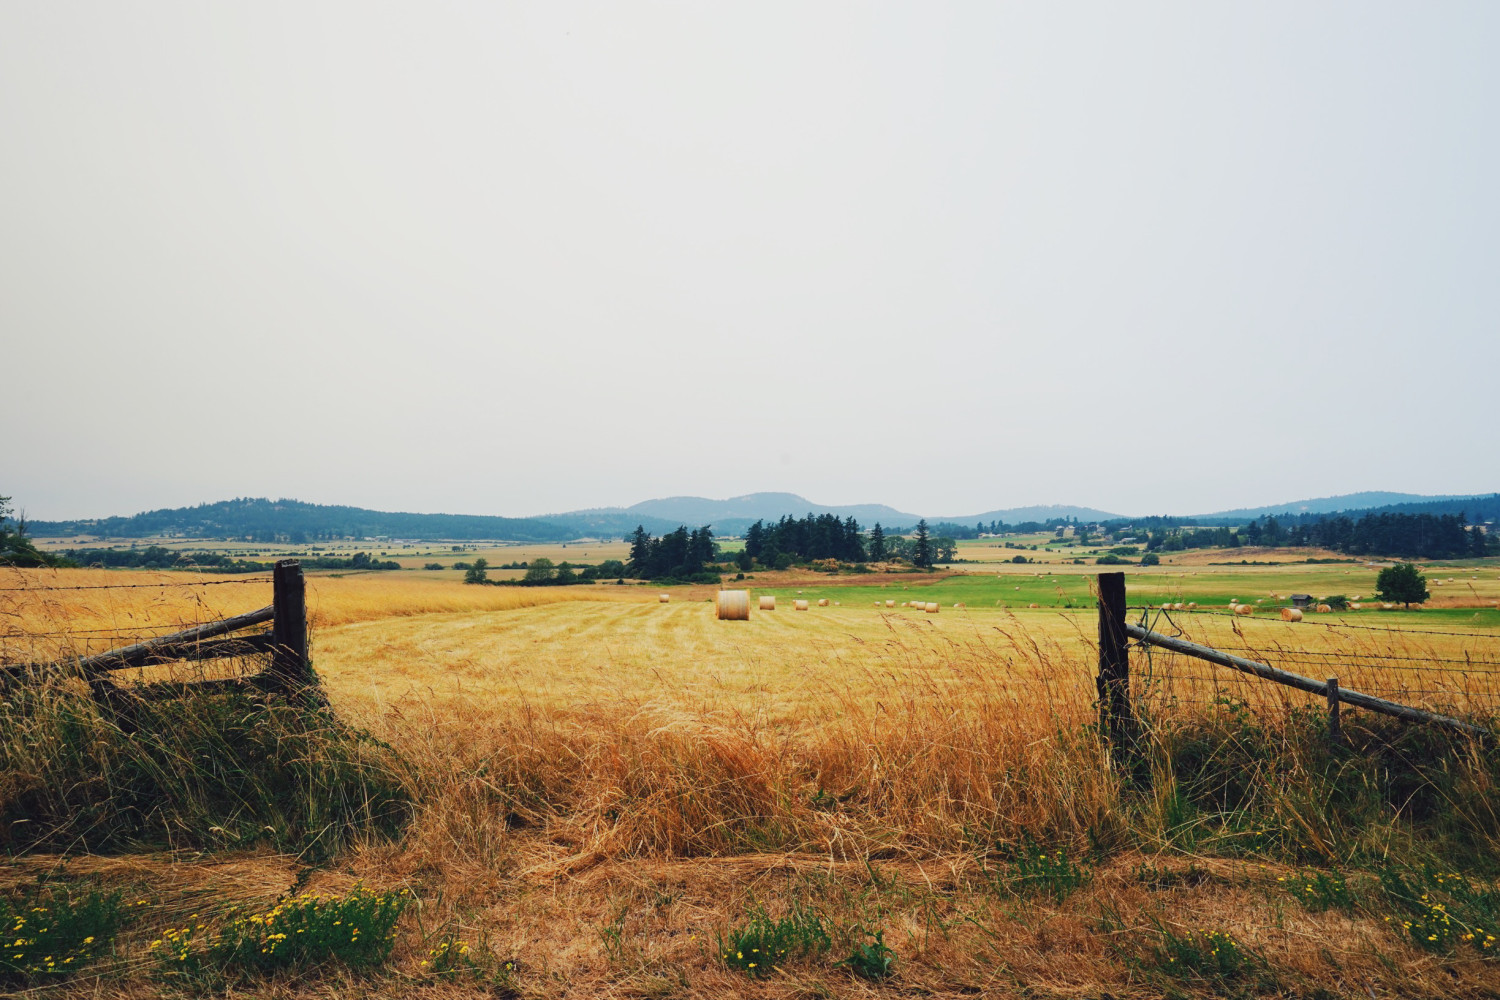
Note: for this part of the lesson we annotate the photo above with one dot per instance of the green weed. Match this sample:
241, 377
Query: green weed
1041, 871
761, 944
1202, 954
1318, 890
299, 932
1439, 911
50, 934
871, 960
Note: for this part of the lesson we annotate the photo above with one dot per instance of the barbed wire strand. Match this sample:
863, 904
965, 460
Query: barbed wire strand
134, 586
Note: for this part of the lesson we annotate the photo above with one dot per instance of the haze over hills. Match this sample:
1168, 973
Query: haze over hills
735, 515
266, 519
1332, 505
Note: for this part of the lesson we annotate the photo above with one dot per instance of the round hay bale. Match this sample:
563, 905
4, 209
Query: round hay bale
768, 602
836, 604
932, 608
663, 598
822, 602
733, 605
1244, 609
1291, 614
960, 604
799, 591
1324, 609
1192, 605
799, 605
1386, 607
1355, 606
1179, 606
890, 604
1357, 597
1033, 605
880, 604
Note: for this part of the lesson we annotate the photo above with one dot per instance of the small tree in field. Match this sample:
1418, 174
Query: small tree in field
476, 572
541, 570
1401, 582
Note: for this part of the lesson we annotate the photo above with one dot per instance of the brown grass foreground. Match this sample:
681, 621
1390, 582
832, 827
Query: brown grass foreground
602, 841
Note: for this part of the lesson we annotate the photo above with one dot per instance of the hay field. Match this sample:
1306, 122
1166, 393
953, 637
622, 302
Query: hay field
604, 785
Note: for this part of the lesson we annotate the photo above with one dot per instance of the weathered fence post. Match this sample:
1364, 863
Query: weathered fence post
290, 670
1116, 716
1334, 733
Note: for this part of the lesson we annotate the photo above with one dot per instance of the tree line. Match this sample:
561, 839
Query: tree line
1403, 536
159, 557
677, 555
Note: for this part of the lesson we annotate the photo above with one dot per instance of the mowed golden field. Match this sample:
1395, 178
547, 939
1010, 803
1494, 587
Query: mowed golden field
605, 788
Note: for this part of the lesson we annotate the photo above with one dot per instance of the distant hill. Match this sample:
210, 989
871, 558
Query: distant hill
262, 519
1369, 502
268, 520
1020, 515
735, 515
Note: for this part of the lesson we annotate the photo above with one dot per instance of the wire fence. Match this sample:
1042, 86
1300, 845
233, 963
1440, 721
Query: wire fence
42, 622
1434, 669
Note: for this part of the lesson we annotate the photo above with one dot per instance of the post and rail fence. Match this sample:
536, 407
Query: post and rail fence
288, 671
1117, 717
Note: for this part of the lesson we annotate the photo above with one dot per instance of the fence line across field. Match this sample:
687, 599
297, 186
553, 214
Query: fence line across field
134, 586
1389, 629
288, 672
1116, 710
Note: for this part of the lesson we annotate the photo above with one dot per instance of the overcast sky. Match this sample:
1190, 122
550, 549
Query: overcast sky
516, 259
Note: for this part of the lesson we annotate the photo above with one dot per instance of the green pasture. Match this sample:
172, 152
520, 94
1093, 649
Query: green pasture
1211, 588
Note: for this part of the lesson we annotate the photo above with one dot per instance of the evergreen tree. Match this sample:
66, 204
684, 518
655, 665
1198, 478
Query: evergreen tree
877, 543
1401, 582
921, 555
640, 552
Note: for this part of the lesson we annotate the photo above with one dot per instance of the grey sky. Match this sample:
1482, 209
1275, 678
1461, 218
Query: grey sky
516, 259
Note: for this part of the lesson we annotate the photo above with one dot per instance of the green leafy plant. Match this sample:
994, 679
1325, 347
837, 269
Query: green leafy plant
871, 960
1202, 954
356, 930
761, 944
1438, 910
51, 934
1319, 890
1052, 872
453, 958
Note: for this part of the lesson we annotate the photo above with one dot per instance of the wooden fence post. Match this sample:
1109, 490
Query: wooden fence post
1334, 733
290, 670
1116, 716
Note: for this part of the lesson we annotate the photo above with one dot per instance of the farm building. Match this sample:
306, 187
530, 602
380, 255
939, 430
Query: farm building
1301, 600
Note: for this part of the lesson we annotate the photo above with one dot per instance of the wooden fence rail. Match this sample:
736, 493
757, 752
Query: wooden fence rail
289, 671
